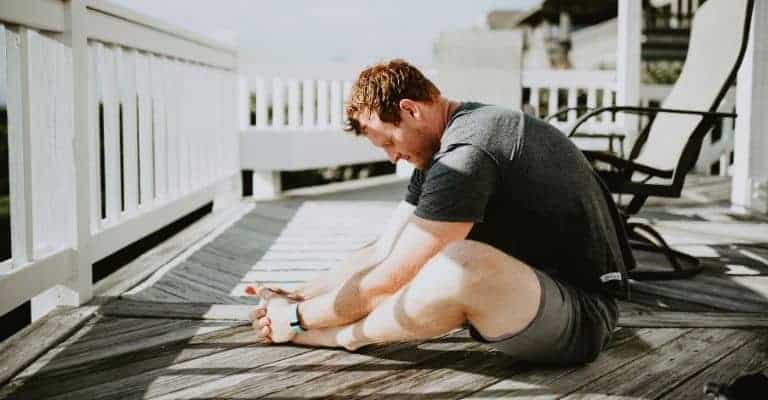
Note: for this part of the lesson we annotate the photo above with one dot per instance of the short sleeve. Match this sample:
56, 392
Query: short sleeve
414, 187
458, 186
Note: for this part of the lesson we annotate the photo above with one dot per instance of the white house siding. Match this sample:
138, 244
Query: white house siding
594, 47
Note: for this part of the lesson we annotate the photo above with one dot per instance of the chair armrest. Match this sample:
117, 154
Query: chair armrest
625, 165
646, 110
565, 110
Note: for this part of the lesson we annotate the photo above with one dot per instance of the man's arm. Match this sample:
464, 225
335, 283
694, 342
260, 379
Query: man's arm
356, 296
362, 259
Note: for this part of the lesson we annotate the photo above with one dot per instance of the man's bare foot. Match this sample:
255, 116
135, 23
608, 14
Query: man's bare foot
325, 337
266, 293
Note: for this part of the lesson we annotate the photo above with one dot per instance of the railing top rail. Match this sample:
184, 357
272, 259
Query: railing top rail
111, 23
121, 12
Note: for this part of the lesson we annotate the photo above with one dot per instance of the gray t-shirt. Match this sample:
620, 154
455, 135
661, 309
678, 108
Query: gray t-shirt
528, 189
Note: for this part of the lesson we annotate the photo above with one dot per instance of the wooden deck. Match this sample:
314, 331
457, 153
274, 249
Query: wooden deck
180, 333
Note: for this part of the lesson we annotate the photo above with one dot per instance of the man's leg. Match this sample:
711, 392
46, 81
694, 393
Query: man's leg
467, 281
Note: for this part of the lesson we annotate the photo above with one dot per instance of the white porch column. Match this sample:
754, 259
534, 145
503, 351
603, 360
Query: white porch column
750, 169
628, 64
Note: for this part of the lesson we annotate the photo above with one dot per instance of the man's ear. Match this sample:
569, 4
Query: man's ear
411, 107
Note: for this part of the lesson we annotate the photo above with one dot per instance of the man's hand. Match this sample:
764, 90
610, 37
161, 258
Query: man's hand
271, 321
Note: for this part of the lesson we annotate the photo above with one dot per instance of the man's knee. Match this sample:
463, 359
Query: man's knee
471, 264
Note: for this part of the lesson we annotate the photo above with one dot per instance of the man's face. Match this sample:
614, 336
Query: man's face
407, 141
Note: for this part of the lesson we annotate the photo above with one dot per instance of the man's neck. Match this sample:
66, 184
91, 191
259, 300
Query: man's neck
448, 108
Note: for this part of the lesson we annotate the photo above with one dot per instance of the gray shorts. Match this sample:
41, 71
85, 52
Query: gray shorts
572, 326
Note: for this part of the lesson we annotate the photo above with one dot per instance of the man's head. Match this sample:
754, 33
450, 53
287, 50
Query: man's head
398, 110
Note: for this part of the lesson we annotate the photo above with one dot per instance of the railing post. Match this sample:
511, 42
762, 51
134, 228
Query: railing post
79, 289
82, 281
20, 151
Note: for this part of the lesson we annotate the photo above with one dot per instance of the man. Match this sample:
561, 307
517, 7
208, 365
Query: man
505, 228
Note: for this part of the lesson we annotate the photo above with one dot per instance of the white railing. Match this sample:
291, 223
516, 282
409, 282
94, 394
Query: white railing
548, 91
308, 104
296, 124
118, 125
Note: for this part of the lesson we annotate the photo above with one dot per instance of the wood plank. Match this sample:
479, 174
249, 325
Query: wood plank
753, 289
652, 375
324, 364
191, 292
452, 373
628, 346
674, 319
203, 259
144, 309
141, 268
203, 371
740, 362
668, 303
97, 340
709, 299
157, 294
376, 366
213, 281
153, 356
23, 348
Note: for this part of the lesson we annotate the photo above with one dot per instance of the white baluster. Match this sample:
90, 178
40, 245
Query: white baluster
337, 104
146, 164
278, 103
553, 106
308, 91
261, 104
126, 64
111, 141
534, 100
293, 104
346, 91
591, 104
322, 104
572, 102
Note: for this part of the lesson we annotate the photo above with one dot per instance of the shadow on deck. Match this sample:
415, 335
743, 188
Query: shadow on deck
164, 338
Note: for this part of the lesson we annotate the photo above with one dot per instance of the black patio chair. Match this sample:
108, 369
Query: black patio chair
669, 145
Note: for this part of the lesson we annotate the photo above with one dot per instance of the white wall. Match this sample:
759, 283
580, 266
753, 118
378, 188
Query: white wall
594, 47
480, 65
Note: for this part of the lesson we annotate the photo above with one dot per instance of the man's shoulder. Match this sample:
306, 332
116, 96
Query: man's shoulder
494, 130
479, 113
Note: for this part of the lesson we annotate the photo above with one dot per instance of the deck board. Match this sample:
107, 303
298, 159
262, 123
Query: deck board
193, 344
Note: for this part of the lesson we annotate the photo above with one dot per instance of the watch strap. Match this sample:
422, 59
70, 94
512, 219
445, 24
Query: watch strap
294, 322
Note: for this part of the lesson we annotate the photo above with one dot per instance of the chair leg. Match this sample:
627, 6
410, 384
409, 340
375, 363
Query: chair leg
659, 245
